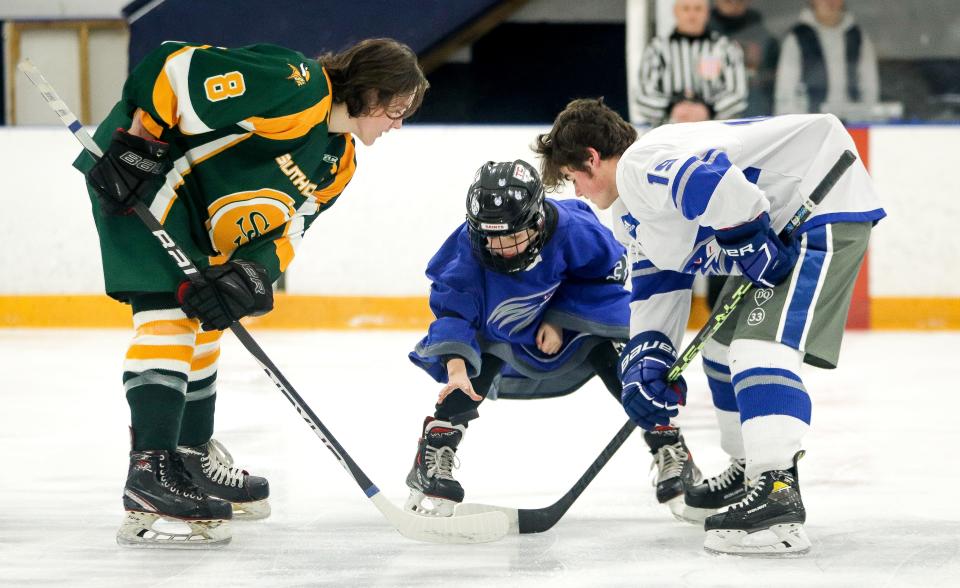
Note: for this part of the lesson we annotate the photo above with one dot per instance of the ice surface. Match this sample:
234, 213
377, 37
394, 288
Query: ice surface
879, 480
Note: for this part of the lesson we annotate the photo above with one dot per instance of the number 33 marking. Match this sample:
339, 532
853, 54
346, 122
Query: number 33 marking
228, 85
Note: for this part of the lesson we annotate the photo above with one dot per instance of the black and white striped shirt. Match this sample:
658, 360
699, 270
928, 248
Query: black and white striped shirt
708, 69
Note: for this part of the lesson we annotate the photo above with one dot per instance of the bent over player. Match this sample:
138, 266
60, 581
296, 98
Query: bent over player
711, 197
236, 152
529, 300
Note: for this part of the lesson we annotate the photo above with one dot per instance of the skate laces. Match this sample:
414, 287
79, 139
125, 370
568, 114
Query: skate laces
441, 461
218, 465
668, 462
749, 498
174, 477
726, 478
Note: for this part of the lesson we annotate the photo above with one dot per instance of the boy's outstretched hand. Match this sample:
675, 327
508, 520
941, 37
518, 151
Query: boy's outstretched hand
457, 379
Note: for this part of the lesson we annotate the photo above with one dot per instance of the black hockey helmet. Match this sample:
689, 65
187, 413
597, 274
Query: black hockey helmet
506, 216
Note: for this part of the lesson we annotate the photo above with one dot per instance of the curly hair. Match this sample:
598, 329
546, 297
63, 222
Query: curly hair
584, 123
371, 74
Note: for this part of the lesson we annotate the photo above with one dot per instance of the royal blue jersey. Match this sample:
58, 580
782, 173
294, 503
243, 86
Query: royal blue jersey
576, 283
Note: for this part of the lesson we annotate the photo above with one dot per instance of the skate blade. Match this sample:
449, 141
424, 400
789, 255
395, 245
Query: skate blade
429, 506
141, 529
691, 514
687, 514
251, 511
785, 540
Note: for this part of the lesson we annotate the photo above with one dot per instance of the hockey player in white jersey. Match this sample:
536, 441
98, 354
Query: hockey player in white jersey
710, 198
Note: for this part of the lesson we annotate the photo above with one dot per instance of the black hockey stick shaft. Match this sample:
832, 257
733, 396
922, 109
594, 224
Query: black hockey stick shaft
732, 300
538, 520
190, 270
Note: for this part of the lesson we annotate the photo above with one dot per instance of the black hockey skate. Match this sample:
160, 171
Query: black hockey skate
769, 521
211, 468
673, 464
431, 478
158, 487
714, 493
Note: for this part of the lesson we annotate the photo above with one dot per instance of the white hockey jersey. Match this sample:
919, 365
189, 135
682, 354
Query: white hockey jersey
680, 183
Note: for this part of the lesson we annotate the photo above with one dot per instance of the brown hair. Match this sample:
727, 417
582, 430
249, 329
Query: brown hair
373, 73
585, 122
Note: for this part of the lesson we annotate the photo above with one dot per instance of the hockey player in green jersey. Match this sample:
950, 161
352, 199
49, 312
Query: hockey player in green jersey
236, 152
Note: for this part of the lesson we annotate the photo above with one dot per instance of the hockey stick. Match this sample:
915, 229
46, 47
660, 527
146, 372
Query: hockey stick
478, 528
537, 520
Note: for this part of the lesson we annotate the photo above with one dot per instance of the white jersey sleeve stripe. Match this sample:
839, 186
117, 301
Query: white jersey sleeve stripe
177, 70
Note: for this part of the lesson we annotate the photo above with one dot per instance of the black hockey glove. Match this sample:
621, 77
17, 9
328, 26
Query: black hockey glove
230, 292
131, 169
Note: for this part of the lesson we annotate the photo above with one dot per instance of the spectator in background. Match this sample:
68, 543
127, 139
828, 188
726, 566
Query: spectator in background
735, 20
694, 75
825, 59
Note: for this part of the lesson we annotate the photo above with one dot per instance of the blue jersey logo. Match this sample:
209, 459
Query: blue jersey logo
630, 224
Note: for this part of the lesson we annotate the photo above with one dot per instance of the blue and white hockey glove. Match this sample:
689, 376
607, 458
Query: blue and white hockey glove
646, 395
762, 257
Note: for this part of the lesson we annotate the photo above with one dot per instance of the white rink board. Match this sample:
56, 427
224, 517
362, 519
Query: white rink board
914, 251
878, 481
408, 195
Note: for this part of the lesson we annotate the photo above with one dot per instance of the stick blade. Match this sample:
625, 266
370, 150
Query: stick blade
472, 509
476, 528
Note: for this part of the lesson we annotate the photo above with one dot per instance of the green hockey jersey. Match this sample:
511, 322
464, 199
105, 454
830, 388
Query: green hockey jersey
254, 162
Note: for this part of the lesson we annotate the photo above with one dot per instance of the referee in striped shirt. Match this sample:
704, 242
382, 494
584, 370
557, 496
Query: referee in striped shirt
694, 75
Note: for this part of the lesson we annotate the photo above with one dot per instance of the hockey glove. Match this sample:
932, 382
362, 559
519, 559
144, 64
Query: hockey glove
131, 169
229, 292
762, 257
646, 396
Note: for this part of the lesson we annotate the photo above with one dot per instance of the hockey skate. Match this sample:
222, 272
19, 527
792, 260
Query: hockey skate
166, 509
211, 468
703, 500
433, 490
769, 521
674, 466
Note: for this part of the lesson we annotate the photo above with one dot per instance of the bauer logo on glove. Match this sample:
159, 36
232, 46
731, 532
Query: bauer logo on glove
647, 396
228, 293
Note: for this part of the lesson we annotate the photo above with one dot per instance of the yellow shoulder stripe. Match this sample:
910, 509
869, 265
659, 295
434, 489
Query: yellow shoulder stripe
291, 126
348, 165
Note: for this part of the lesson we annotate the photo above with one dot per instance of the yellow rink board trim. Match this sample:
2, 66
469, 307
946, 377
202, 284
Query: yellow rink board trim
403, 312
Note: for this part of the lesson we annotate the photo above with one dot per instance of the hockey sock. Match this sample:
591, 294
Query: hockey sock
774, 405
155, 372
458, 403
196, 427
198, 414
155, 416
724, 399
604, 360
